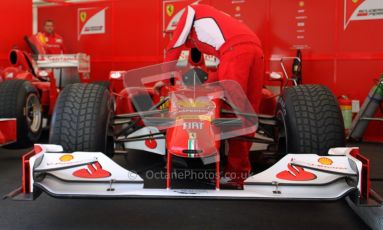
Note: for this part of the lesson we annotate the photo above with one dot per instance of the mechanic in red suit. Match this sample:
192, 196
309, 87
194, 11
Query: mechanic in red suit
241, 59
50, 41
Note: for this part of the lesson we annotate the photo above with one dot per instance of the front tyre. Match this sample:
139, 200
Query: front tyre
81, 119
310, 120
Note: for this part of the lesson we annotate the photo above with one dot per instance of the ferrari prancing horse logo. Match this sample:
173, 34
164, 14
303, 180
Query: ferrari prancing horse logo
83, 16
170, 10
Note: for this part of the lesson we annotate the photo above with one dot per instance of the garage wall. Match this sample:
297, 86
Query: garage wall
346, 59
131, 38
134, 31
16, 21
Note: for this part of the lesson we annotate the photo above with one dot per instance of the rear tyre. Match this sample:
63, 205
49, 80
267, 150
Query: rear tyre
20, 99
310, 120
81, 119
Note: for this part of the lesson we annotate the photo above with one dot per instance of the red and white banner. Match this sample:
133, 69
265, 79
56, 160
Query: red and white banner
91, 21
172, 12
357, 10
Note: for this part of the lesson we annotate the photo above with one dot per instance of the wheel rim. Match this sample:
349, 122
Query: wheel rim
33, 113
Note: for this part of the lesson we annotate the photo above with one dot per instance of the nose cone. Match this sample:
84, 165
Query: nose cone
192, 138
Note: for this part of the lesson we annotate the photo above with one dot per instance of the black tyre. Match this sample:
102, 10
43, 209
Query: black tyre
81, 119
310, 120
105, 84
20, 99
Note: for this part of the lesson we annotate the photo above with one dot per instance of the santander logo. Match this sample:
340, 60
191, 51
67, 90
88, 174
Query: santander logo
92, 171
151, 143
296, 173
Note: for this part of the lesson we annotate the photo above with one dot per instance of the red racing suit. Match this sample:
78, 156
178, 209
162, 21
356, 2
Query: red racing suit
241, 59
52, 43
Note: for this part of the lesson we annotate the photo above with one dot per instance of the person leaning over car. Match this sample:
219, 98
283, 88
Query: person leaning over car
240, 52
51, 41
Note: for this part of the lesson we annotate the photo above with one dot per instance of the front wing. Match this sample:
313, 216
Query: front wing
343, 173
92, 174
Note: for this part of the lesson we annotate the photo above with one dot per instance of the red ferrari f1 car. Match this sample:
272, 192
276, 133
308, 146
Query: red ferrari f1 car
187, 124
30, 85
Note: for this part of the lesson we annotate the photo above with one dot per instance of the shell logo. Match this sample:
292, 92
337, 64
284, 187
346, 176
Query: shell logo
301, 3
66, 158
325, 161
355, 1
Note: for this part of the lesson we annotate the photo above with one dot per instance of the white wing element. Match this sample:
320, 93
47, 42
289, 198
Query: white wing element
65, 165
281, 181
152, 145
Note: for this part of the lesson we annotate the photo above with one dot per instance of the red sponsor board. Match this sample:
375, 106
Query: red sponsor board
359, 10
172, 11
349, 8
91, 21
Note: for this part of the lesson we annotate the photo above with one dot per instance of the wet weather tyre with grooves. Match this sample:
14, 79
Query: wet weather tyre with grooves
20, 99
81, 119
310, 120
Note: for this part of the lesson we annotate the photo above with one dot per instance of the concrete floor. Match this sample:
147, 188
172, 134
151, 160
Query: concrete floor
49, 213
